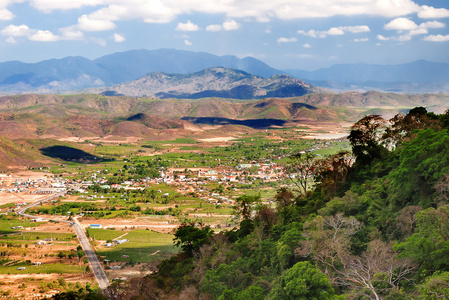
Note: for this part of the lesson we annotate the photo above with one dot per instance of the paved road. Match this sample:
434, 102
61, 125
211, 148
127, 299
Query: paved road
84, 242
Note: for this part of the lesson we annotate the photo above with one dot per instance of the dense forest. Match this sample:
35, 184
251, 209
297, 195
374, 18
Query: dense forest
370, 224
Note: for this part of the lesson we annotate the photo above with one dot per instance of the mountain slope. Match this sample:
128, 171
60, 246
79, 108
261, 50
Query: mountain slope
212, 82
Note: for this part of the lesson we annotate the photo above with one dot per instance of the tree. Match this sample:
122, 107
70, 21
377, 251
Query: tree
191, 236
379, 269
333, 170
245, 205
435, 287
429, 244
301, 171
302, 281
403, 125
365, 138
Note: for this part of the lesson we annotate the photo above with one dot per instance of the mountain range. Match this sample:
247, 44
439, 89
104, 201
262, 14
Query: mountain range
415, 77
212, 82
76, 73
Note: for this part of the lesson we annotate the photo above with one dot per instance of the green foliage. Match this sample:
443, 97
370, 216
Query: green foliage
191, 236
302, 281
435, 287
429, 245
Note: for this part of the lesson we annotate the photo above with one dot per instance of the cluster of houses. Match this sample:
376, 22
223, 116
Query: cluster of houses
44, 185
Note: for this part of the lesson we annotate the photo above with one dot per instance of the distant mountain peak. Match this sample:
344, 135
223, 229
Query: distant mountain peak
212, 82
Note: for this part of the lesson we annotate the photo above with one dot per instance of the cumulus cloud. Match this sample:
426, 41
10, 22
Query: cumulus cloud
286, 40
187, 42
87, 23
5, 13
429, 12
361, 40
407, 29
401, 24
306, 46
214, 28
118, 38
437, 38
71, 33
432, 24
13, 30
43, 36
231, 25
335, 31
189, 26
32, 34
228, 25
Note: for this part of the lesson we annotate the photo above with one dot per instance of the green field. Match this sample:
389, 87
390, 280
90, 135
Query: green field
143, 246
42, 269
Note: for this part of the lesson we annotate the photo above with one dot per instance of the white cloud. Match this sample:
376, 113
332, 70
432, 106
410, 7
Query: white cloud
187, 42
432, 24
356, 29
335, 31
214, 28
71, 33
189, 26
401, 24
43, 36
382, 38
13, 30
306, 46
11, 40
361, 40
437, 38
87, 23
6, 15
228, 25
418, 31
429, 12
286, 40
407, 29
118, 38
231, 25
49, 5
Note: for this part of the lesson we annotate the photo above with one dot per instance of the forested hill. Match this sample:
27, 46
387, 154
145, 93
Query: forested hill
375, 226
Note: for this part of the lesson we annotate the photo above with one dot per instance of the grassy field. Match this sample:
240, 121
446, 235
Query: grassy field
6, 223
35, 236
104, 234
42, 269
143, 246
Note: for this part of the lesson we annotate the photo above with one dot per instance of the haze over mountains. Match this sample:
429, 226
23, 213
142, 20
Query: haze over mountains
76, 73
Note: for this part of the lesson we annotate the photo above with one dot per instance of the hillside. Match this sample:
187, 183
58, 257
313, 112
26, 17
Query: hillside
212, 82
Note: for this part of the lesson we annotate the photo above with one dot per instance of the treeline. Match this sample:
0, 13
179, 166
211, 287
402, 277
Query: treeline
371, 224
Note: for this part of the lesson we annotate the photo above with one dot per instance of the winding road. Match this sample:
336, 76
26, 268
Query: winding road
102, 280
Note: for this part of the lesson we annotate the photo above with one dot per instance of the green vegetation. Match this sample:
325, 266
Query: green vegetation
373, 225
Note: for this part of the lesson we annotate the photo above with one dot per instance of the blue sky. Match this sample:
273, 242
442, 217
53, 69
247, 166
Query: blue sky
297, 34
